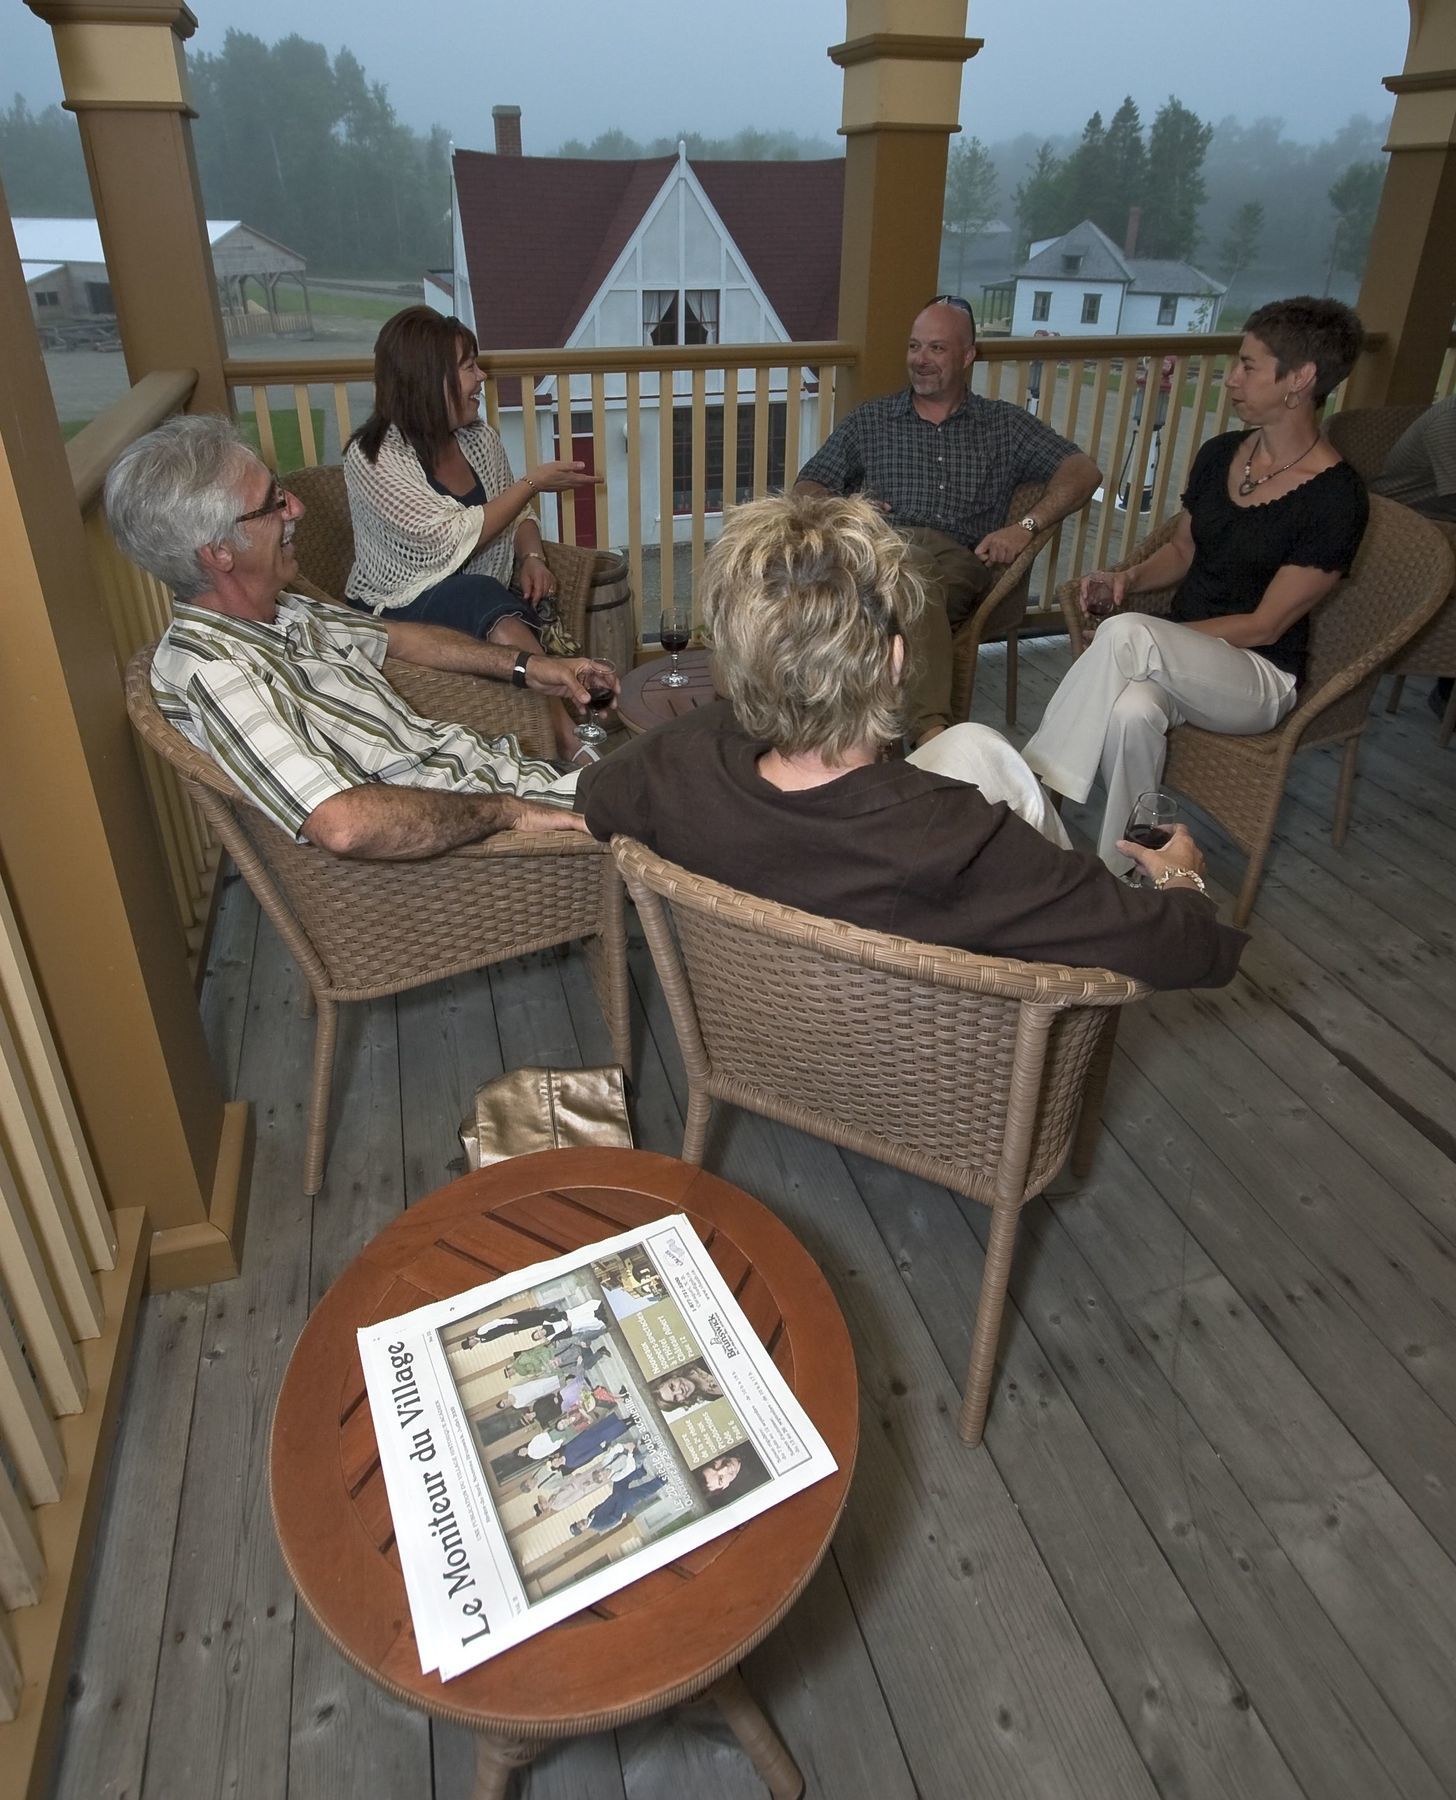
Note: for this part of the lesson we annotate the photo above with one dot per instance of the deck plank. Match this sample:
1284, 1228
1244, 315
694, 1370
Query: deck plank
221, 1715
1185, 1707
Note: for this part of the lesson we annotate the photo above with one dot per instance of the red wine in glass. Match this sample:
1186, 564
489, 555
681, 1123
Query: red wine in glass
675, 633
1097, 597
598, 699
1150, 823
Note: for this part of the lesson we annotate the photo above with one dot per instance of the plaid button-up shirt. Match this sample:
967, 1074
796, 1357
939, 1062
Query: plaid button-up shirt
957, 477
297, 710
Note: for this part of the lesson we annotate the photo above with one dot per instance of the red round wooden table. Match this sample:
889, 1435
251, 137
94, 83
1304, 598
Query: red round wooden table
676, 1633
646, 701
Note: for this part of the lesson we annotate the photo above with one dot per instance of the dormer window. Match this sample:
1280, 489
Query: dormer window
1071, 261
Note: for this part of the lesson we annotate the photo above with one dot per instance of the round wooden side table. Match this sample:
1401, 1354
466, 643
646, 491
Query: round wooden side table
645, 701
678, 1632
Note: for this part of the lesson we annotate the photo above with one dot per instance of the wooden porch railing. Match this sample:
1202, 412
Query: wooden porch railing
662, 489
1140, 405
70, 1277
139, 609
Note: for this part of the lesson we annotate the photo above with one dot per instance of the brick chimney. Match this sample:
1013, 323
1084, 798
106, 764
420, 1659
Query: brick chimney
1134, 213
507, 130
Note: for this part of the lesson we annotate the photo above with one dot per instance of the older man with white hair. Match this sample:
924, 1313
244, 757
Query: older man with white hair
288, 694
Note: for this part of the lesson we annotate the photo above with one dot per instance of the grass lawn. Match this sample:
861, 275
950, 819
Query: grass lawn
286, 439
347, 306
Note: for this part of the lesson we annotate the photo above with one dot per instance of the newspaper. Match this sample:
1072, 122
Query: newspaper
552, 1436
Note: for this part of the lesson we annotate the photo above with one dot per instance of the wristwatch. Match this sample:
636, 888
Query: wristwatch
1029, 524
518, 668
1161, 881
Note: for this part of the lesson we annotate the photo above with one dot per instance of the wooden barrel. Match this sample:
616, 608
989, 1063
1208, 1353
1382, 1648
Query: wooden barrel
610, 628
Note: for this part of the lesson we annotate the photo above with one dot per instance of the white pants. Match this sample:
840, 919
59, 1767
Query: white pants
1138, 676
980, 756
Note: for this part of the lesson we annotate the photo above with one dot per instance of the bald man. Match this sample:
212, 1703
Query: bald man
942, 464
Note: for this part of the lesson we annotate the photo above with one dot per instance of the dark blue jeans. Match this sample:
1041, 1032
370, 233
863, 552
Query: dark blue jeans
469, 603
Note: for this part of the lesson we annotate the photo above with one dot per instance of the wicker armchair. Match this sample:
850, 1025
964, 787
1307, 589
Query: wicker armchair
1001, 610
363, 930
974, 1071
324, 543
1365, 437
1401, 576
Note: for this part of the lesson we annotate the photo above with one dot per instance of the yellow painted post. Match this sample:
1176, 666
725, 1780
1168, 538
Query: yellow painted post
902, 62
1409, 288
124, 71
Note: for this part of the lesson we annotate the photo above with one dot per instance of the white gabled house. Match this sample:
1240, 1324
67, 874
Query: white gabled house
553, 251
1081, 285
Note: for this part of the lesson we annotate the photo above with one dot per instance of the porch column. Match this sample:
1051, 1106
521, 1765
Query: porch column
902, 93
1410, 275
79, 855
125, 76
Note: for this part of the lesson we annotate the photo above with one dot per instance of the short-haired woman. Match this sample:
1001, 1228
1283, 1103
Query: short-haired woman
1272, 519
786, 789
439, 519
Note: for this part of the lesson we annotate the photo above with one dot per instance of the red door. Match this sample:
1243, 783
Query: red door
584, 500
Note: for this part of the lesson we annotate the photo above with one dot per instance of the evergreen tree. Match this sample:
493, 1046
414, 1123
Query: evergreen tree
1177, 146
1241, 245
1127, 169
1040, 200
970, 198
42, 165
1355, 196
1085, 179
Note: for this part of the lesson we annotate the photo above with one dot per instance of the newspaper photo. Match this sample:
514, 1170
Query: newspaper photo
551, 1436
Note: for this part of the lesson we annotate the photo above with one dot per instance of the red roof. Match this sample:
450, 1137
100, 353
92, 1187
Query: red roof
542, 234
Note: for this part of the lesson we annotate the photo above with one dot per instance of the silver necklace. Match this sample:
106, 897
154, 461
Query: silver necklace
1250, 481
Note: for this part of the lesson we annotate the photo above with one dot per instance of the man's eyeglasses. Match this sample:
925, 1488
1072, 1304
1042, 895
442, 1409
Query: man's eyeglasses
277, 501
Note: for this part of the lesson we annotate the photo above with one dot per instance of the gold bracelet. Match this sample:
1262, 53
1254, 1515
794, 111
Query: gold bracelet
1161, 881
526, 555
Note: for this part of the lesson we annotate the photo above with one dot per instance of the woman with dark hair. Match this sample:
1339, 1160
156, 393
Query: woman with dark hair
440, 521
1272, 519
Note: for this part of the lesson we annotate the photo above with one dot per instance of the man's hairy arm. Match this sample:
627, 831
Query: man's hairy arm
438, 647
403, 823
1073, 482
457, 653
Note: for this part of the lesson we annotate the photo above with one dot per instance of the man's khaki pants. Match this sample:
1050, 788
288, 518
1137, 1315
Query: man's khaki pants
956, 582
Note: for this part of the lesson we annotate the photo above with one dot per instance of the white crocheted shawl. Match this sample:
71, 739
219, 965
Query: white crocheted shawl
406, 536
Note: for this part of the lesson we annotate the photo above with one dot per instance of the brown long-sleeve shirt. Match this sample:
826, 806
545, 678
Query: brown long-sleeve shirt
897, 849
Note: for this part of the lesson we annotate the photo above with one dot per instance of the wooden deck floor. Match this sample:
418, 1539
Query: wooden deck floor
1206, 1552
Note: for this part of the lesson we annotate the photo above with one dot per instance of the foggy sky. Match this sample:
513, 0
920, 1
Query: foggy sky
654, 67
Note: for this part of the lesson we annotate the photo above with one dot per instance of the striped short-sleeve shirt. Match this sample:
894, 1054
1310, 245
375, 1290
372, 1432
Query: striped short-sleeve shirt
297, 710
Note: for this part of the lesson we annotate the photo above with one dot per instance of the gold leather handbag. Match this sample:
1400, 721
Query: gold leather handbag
546, 1109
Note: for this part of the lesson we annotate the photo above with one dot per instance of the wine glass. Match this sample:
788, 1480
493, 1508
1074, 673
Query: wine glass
599, 700
676, 629
1150, 823
1097, 595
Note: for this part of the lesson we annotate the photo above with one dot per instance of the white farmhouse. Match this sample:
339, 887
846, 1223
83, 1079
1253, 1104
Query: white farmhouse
554, 251
1081, 285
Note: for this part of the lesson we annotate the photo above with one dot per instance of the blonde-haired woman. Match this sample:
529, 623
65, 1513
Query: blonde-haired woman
790, 788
